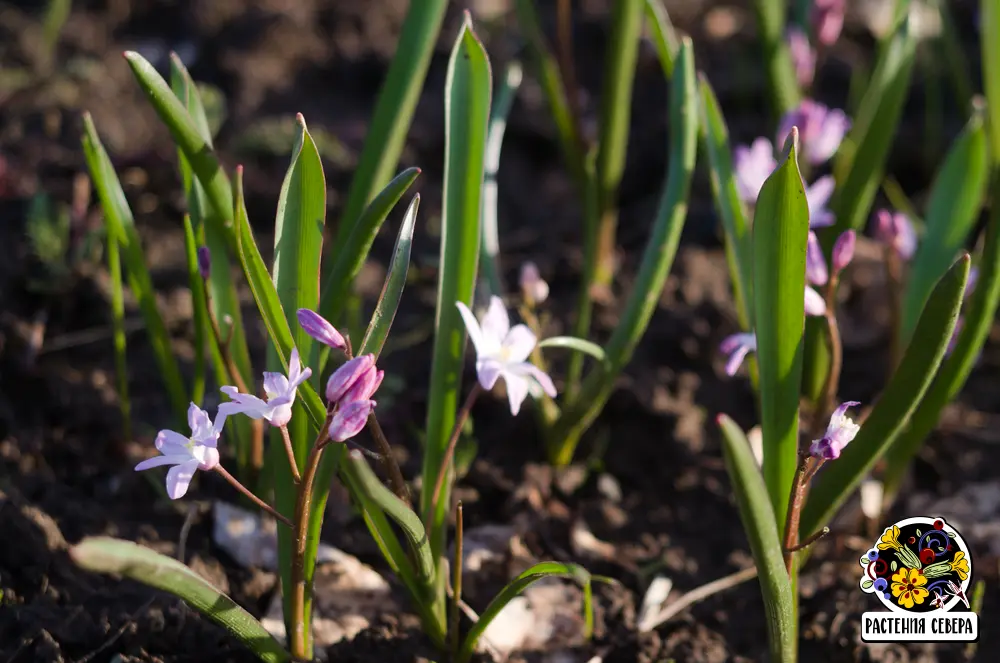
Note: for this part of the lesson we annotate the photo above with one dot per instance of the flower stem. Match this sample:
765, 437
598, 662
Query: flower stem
806, 470
388, 459
253, 498
456, 582
816, 536
291, 454
463, 416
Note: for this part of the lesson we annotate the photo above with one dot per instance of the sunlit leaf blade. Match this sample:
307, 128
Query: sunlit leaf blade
200, 311
489, 250
115, 556
121, 229
393, 113
656, 261
861, 161
350, 257
977, 321
467, 107
576, 344
989, 27
780, 229
952, 211
546, 70
757, 516
897, 403
392, 290
784, 86
514, 589
118, 334
665, 38
715, 142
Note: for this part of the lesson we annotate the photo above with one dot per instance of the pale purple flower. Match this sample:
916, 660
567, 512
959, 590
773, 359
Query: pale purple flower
187, 454
356, 379
828, 20
896, 230
320, 329
753, 165
817, 196
204, 262
737, 346
816, 272
350, 419
280, 391
533, 287
803, 55
815, 305
502, 352
843, 250
821, 130
839, 433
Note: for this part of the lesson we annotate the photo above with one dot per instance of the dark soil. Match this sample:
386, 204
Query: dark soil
65, 469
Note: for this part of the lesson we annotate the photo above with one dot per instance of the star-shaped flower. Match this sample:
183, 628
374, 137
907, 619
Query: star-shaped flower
280, 390
187, 454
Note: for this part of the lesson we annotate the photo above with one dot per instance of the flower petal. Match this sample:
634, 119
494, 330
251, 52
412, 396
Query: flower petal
170, 442
517, 390
495, 323
179, 478
816, 272
814, 303
529, 370
819, 192
198, 420
736, 359
518, 343
157, 461
275, 384
487, 371
472, 326
350, 419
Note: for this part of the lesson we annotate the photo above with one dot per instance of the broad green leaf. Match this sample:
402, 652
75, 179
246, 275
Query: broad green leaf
861, 161
392, 290
200, 309
394, 111
121, 229
546, 70
656, 261
577, 344
115, 556
784, 86
515, 588
118, 331
762, 531
989, 30
952, 211
665, 38
780, 229
489, 250
298, 247
188, 138
897, 403
715, 143
351, 256
615, 118
955, 369
468, 87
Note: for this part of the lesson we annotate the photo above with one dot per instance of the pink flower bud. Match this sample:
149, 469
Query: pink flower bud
843, 250
828, 20
896, 231
211, 459
346, 376
803, 56
350, 419
204, 262
317, 326
533, 286
816, 272
365, 386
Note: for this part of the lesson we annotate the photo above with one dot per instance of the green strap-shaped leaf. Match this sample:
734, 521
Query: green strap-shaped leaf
656, 261
115, 556
955, 369
861, 160
578, 344
785, 93
200, 308
298, 247
989, 27
118, 330
351, 258
515, 588
780, 229
762, 531
664, 35
392, 290
121, 229
952, 211
393, 113
467, 109
489, 248
739, 249
897, 403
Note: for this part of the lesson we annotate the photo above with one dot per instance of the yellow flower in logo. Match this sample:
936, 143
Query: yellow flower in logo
960, 565
890, 539
908, 587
